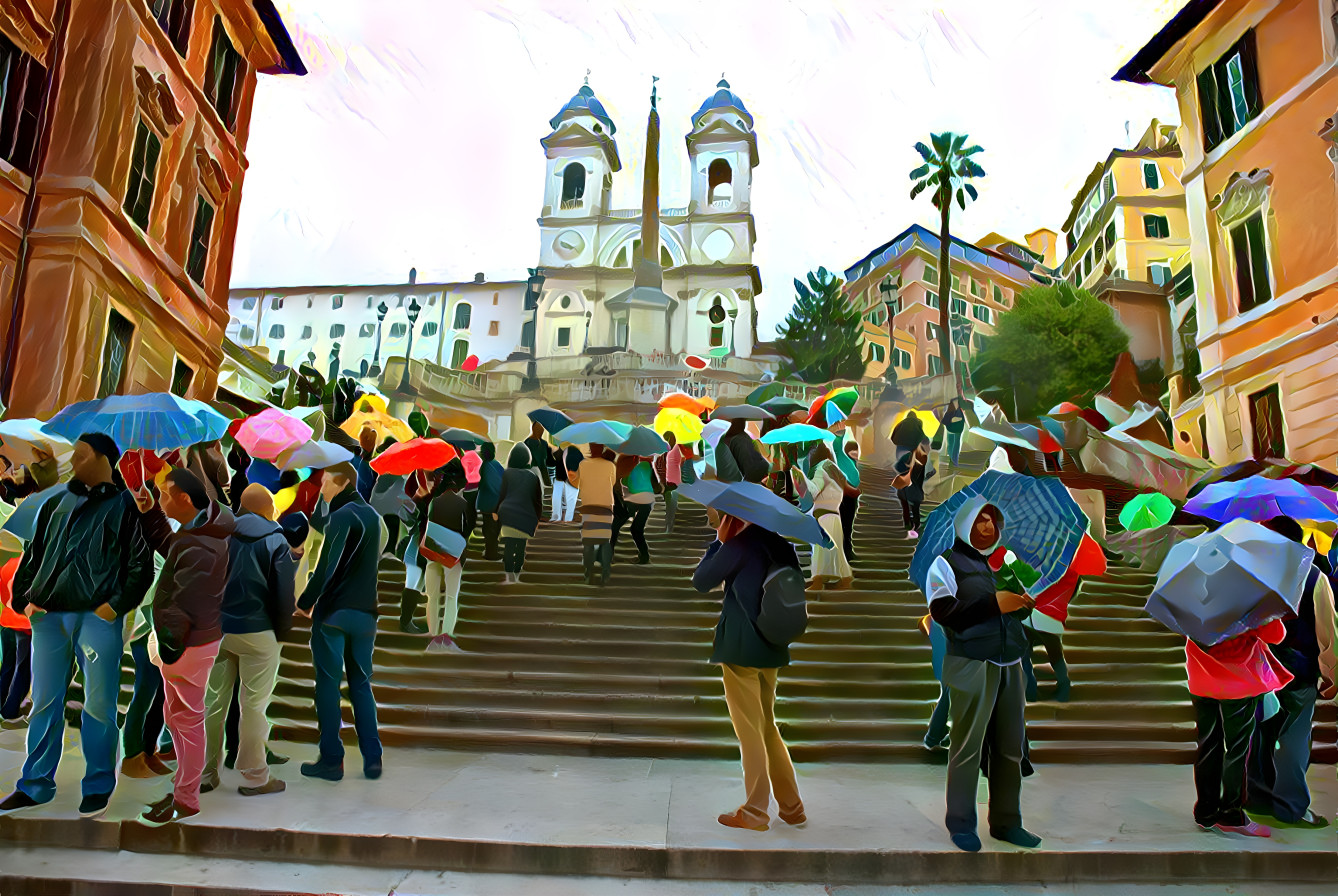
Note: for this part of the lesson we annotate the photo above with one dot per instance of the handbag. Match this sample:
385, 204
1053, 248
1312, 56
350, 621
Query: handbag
902, 481
441, 545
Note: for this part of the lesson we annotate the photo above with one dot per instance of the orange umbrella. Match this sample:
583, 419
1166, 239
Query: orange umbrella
684, 402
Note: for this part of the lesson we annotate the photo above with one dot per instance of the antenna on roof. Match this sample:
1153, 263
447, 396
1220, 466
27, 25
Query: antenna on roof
587, 77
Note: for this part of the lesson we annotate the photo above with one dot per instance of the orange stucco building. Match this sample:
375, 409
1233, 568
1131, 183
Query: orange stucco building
122, 134
1258, 92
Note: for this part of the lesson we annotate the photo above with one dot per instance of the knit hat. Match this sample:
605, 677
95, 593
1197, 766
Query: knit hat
103, 444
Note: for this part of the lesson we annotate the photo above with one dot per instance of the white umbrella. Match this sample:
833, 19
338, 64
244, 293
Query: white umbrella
20, 439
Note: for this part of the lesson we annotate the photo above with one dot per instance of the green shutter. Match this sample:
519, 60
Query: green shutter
1249, 62
1212, 125
1240, 251
1254, 229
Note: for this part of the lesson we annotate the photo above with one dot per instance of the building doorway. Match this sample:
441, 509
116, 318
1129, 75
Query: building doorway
1266, 423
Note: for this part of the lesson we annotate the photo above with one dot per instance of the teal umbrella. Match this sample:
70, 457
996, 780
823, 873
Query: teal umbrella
642, 442
797, 433
600, 432
1149, 511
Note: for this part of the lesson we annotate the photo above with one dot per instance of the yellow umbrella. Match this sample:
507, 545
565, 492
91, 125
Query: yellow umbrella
371, 402
1323, 542
381, 422
684, 426
927, 420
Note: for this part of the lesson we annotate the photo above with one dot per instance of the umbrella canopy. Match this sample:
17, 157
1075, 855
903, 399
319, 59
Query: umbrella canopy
21, 438
271, 432
313, 455
1042, 524
685, 426
642, 442
382, 423
602, 432
797, 433
781, 406
1040, 439
1306, 474
844, 397
928, 422
1259, 498
1088, 561
712, 432
1225, 583
1230, 473
832, 412
414, 455
1065, 410
22, 523
155, 420
1325, 496
1147, 511
758, 505
553, 421
371, 402
764, 393
457, 436
685, 402
139, 466
740, 412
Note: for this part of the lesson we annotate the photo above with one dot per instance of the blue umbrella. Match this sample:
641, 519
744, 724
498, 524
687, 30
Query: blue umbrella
642, 442
553, 421
22, 523
1043, 525
158, 421
600, 432
758, 505
316, 455
1260, 499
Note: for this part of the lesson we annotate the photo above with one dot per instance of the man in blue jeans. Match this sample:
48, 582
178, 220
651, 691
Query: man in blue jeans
87, 566
341, 600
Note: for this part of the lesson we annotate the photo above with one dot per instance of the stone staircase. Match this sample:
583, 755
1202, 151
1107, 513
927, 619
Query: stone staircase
554, 665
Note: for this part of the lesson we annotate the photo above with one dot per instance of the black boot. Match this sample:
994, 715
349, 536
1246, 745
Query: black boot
408, 607
606, 560
588, 549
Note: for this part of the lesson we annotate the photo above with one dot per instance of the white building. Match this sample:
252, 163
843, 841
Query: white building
339, 325
588, 251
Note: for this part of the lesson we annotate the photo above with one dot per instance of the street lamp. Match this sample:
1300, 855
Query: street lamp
414, 308
381, 311
962, 328
533, 289
889, 293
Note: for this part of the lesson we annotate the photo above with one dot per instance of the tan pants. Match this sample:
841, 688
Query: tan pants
442, 584
255, 657
751, 697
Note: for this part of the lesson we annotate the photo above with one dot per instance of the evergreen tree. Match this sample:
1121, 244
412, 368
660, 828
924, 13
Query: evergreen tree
822, 336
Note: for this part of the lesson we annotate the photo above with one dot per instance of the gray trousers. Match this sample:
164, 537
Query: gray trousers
985, 700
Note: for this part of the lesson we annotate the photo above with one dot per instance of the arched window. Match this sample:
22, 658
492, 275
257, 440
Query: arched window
717, 316
462, 315
573, 185
720, 183
459, 353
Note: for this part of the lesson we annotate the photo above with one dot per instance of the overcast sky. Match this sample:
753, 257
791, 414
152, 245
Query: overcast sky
414, 141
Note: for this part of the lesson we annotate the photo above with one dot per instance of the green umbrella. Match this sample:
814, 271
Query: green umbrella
765, 393
1147, 512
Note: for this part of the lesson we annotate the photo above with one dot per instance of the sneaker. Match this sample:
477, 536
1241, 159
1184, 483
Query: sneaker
137, 767
273, 785
735, 819
443, 644
272, 758
327, 771
1248, 829
165, 811
372, 769
794, 818
209, 783
1018, 836
1310, 821
13, 724
912, 535
16, 801
93, 805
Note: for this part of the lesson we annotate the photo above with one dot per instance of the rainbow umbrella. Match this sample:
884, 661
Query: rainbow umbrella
685, 426
844, 397
833, 413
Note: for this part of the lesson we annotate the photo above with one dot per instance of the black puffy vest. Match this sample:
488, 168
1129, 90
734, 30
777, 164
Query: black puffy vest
1299, 651
1001, 639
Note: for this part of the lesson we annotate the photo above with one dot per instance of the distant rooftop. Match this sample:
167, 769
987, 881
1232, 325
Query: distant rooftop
960, 249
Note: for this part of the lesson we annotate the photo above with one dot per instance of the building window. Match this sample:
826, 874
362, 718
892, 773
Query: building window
276, 331
620, 331
222, 76
306, 332
1110, 235
931, 299
1151, 177
877, 353
1229, 96
981, 313
371, 300
22, 86
276, 303
1251, 258
931, 274
115, 352
573, 185
143, 167
1203, 436
459, 352
463, 312
430, 328
935, 365
998, 294
1266, 424
564, 337
493, 328
720, 183
958, 306
246, 334
397, 331
174, 17
1159, 272
182, 376
200, 235
366, 331
249, 303
336, 331
527, 334
1156, 227
336, 302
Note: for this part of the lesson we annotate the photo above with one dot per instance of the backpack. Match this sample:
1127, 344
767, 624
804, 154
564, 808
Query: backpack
784, 614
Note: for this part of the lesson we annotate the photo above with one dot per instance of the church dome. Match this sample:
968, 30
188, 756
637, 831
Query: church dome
723, 98
584, 102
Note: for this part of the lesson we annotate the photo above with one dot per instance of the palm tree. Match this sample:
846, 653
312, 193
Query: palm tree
947, 168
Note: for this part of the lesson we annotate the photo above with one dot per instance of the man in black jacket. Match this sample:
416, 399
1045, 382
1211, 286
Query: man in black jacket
257, 615
87, 567
342, 603
983, 671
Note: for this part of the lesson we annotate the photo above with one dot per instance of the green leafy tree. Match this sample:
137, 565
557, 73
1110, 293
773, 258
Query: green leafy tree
1057, 344
945, 175
822, 337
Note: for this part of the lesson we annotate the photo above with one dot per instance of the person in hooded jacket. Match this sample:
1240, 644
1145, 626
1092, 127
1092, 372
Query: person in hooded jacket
520, 504
490, 494
238, 461
257, 611
982, 668
741, 558
737, 457
450, 510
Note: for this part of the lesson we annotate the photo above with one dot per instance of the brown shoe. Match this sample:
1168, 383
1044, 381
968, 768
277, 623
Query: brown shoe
796, 817
273, 785
735, 819
156, 765
815, 584
844, 584
137, 767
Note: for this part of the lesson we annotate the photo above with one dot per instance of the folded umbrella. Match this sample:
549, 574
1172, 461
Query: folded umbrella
155, 420
758, 505
21, 438
404, 458
1042, 525
1225, 583
1259, 498
685, 426
314, 455
553, 421
1147, 511
741, 412
271, 432
601, 432
797, 433
642, 442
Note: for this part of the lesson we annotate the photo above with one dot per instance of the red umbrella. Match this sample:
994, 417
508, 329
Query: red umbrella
1089, 560
696, 362
404, 458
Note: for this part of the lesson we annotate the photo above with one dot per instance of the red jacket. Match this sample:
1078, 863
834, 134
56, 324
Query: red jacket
9, 618
1239, 668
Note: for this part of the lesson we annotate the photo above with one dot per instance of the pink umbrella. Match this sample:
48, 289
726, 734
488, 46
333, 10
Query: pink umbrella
271, 432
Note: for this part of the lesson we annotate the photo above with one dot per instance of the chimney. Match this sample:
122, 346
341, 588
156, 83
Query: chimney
479, 278
413, 276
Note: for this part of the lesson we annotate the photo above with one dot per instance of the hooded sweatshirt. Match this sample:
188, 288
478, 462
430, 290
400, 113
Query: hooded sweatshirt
261, 579
521, 497
490, 478
188, 603
962, 592
345, 577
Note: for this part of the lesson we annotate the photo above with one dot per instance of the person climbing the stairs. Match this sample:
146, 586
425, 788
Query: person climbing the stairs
640, 486
847, 459
669, 469
596, 481
442, 582
912, 471
565, 462
490, 493
541, 457
520, 504
826, 487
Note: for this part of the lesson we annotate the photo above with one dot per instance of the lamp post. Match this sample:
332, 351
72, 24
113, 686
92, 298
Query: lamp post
533, 288
962, 328
381, 311
414, 308
888, 291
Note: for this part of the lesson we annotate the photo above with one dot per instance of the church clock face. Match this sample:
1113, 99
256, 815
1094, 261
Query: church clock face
718, 245
569, 244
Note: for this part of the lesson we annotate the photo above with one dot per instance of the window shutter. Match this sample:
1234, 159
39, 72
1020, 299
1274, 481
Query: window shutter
1249, 63
1212, 124
1240, 251
1254, 229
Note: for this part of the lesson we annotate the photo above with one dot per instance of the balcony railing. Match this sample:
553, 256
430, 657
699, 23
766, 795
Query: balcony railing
569, 204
